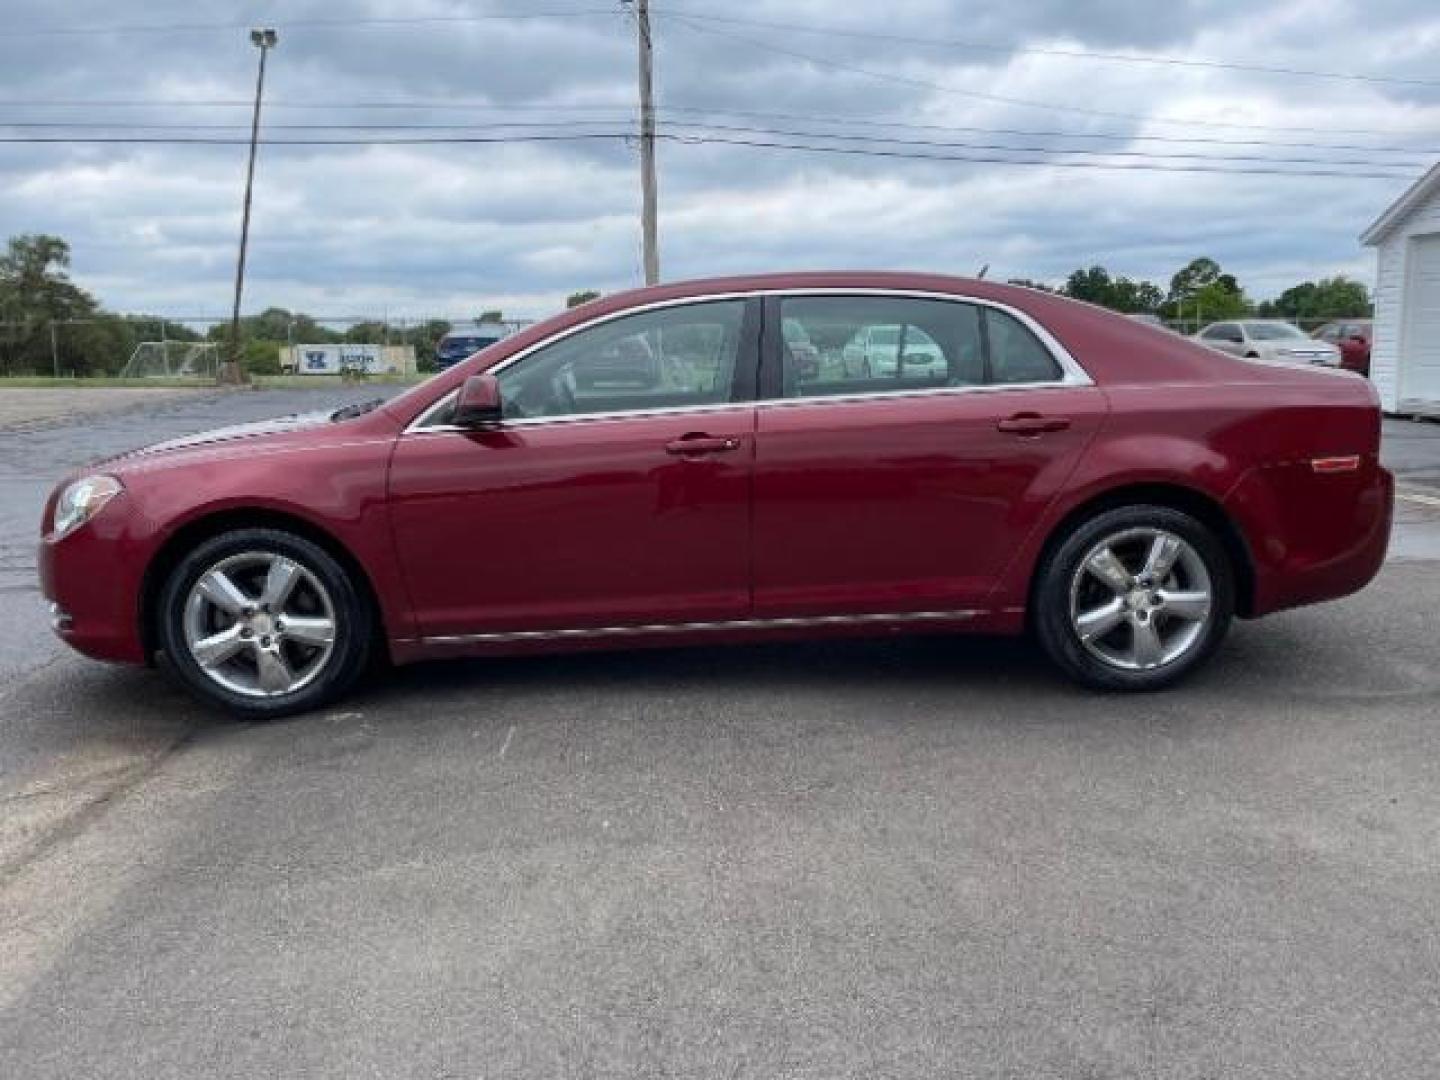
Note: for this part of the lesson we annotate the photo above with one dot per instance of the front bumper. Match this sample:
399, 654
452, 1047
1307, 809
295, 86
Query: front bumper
93, 579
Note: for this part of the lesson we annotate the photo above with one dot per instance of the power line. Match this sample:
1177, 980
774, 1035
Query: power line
903, 80
417, 105
1031, 133
1084, 150
689, 125
621, 116
293, 24
1156, 164
235, 103
1082, 54
1122, 166
205, 140
363, 23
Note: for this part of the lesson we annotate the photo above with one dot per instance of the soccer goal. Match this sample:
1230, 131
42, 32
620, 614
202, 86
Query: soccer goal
173, 360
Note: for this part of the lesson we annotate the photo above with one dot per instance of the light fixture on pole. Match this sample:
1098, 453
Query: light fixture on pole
263, 39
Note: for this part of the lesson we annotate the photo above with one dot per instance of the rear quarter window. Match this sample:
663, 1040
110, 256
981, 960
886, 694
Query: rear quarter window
1016, 354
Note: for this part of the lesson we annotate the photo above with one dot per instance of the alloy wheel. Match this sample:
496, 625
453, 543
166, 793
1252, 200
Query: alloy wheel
1141, 599
260, 624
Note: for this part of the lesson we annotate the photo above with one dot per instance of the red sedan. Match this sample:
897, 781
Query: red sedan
1117, 490
1353, 338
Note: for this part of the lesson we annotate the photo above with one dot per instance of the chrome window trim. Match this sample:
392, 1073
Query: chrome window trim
1073, 374
783, 623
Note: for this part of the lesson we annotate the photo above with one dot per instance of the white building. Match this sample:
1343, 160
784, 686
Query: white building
1405, 355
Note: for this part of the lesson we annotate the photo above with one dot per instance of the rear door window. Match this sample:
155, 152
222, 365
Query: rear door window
895, 344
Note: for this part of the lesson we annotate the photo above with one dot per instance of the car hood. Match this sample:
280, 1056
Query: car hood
254, 429
245, 435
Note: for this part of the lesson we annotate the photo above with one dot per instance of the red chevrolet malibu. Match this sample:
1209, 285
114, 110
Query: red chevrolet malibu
951, 455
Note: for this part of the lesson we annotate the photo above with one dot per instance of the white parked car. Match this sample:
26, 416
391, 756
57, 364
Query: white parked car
1268, 339
876, 351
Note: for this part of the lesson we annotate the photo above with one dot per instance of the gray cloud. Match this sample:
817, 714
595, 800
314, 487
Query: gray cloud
360, 230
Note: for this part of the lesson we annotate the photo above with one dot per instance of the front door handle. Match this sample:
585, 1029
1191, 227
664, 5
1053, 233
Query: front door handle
698, 442
1032, 424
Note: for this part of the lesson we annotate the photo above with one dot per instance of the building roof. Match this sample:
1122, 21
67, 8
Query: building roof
1401, 208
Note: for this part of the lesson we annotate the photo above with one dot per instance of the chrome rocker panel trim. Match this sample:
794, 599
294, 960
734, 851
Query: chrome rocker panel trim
803, 622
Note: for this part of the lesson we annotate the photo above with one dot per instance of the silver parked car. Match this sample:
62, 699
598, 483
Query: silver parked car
877, 351
1268, 339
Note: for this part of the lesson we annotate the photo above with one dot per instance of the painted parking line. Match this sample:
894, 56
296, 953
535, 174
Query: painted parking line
1412, 496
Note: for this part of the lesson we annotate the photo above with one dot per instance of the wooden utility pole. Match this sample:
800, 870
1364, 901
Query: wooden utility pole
648, 227
232, 372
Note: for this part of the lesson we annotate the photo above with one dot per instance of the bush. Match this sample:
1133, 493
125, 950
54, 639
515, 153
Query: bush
263, 357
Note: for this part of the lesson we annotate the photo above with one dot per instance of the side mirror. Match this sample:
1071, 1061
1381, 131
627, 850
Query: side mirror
478, 405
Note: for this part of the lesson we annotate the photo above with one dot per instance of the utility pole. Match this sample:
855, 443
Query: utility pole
264, 40
648, 227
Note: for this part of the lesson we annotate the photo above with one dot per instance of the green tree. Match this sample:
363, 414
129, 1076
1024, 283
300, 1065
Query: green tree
494, 315
584, 296
36, 295
1095, 286
1201, 290
425, 338
370, 332
1329, 298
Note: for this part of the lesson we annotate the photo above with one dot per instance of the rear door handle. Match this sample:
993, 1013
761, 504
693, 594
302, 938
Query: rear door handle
697, 442
1032, 424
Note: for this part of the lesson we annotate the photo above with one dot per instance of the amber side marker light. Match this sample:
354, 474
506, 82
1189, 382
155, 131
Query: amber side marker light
1349, 463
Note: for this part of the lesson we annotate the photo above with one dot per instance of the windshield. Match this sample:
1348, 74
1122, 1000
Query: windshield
1268, 331
885, 335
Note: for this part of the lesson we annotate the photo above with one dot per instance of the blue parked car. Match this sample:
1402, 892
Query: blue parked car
459, 344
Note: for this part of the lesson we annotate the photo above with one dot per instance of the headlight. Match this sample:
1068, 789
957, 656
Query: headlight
81, 501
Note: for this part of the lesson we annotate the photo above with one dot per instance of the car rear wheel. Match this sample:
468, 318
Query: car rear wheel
264, 623
1134, 598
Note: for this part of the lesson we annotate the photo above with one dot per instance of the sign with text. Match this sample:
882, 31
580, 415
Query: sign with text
336, 359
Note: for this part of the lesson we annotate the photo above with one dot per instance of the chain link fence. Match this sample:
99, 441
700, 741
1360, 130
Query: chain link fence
105, 345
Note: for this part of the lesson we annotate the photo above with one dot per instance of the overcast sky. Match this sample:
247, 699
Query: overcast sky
453, 229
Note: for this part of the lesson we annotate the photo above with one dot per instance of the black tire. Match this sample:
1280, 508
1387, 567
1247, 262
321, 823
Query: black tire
351, 615
1059, 573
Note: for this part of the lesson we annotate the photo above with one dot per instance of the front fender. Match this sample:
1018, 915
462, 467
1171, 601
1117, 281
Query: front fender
339, 494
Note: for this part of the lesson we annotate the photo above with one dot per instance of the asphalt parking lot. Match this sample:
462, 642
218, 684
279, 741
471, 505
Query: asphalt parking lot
927, 857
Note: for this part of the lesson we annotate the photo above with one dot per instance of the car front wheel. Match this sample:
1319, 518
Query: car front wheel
264, 623
1134, 598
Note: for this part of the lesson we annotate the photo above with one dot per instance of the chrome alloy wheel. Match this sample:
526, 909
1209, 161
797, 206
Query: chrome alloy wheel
259, 624
1141, 599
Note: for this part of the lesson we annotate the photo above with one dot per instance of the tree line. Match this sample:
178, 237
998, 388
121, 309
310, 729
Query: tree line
48, 323
1201, 292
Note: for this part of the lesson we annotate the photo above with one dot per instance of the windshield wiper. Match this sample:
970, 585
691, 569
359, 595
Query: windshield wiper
349, 412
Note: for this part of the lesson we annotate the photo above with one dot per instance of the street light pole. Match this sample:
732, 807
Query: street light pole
264, 40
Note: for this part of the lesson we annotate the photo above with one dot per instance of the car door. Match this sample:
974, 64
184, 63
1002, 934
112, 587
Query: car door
602, 499
908, 491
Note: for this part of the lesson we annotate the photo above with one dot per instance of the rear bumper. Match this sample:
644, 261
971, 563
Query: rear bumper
1313, 537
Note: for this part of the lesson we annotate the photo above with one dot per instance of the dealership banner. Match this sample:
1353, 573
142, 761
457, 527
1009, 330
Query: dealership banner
335, 359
